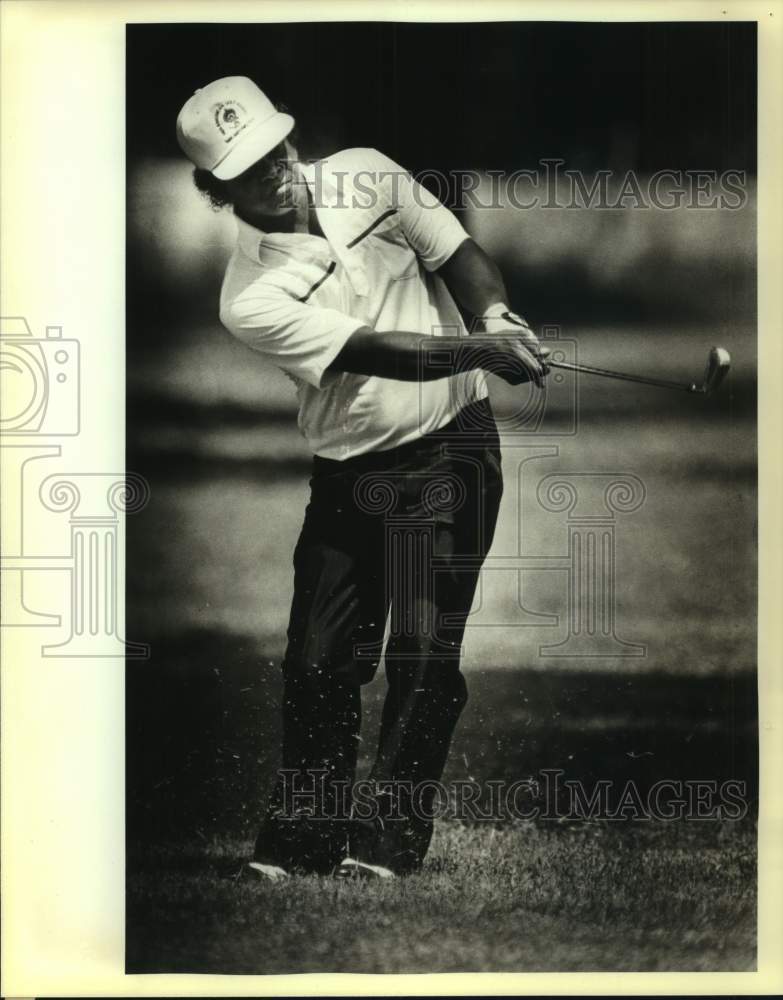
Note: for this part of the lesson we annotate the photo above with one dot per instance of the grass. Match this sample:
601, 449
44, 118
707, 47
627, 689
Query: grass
519, 897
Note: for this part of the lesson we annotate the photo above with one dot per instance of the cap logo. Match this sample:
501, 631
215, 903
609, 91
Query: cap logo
230, 119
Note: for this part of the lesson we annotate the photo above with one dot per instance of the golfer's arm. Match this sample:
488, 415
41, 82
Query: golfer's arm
473, 278
407, 357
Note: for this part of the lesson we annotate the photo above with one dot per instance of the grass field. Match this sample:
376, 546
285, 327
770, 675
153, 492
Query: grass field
558, 895
209, 583
515, 898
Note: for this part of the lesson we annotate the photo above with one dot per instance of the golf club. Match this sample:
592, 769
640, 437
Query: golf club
718, 364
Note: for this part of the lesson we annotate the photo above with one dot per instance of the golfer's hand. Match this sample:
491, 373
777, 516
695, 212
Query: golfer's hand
517, 359
512, 327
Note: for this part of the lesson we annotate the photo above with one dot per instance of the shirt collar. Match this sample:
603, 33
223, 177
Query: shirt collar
250, 239
303, 245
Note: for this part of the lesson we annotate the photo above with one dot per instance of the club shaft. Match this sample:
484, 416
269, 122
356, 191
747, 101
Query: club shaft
606, 373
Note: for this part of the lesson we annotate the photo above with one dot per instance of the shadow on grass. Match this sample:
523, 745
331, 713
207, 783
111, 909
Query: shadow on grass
524, 897
202, 737
203, 733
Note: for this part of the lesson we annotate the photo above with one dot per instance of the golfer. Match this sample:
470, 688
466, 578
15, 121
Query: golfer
349, 276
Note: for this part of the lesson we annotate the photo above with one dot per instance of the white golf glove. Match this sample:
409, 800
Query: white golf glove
499, 318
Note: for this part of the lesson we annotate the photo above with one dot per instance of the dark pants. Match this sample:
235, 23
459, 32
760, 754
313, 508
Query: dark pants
398, 535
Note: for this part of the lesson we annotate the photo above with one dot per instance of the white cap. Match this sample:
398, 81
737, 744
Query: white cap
229, 125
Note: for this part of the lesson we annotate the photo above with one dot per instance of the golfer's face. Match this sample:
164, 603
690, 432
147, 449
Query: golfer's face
266, 188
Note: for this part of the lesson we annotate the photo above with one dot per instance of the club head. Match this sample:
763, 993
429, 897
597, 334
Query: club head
718, 364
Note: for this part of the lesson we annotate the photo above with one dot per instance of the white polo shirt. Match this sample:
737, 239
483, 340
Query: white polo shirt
298, 298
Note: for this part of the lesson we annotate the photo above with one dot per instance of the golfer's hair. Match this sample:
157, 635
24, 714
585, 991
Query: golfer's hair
211, 188
216, 191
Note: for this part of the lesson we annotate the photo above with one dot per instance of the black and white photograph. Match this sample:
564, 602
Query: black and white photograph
390, 474
441, 354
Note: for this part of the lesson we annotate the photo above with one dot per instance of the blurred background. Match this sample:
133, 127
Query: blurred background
213, 427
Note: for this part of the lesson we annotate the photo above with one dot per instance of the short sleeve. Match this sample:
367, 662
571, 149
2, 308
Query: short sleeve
301, 339
430, 228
